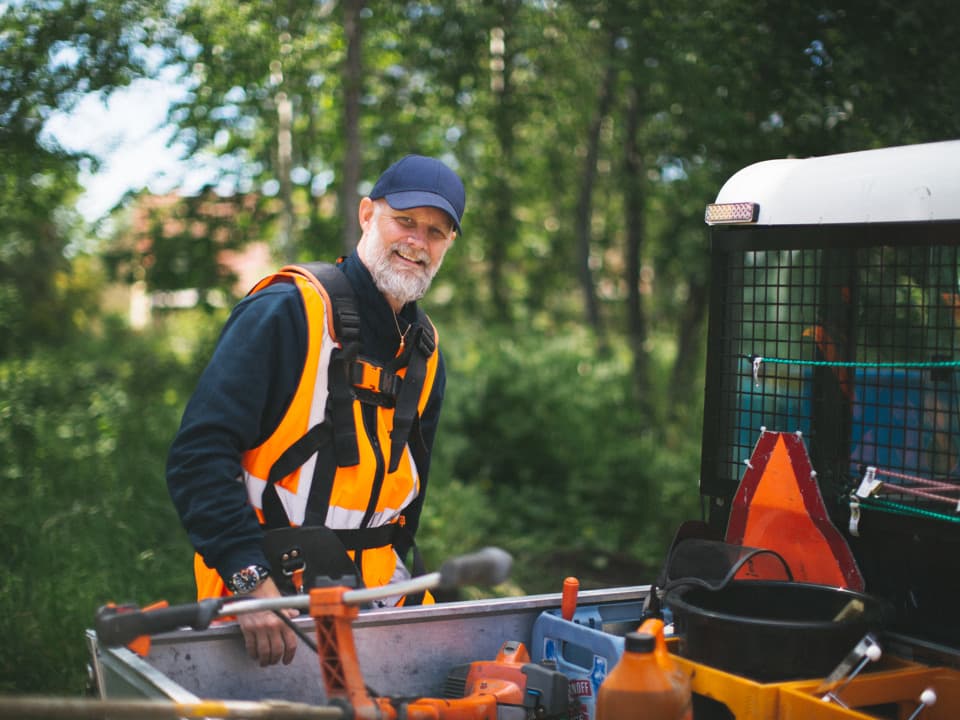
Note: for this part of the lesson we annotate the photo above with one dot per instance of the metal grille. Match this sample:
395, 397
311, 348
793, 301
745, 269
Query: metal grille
849, 337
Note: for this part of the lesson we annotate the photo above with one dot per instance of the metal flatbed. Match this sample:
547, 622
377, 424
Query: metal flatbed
402, 652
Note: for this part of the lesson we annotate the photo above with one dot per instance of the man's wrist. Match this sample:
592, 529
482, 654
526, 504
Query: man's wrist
247, 579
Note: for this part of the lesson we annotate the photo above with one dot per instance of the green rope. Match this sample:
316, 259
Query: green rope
839, 363
901, 509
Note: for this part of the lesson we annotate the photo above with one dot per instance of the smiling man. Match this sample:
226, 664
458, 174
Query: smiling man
305, 449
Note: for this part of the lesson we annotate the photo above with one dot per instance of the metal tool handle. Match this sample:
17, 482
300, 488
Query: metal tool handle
45, 708
121, 625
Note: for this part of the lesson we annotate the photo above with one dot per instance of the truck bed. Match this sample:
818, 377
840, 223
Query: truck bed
402, 652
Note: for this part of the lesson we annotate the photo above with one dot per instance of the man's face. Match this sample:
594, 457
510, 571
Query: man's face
403, 249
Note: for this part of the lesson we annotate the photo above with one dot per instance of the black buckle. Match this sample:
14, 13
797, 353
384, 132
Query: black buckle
356, 373
369, 397
390, 383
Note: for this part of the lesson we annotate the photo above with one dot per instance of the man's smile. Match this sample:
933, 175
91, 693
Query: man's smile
409, 256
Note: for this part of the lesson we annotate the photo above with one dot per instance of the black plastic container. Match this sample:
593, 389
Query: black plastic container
771, 631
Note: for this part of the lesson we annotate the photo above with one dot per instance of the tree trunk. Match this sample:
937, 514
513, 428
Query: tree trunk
288, 245
503, 234
633, 208
585, 200
352, 76
684, 376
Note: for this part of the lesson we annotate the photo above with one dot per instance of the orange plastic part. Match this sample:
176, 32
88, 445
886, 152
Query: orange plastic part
141, 645
297, 579
899, 691
568, 599
337, 651
479, 707
778, 506
491, 684
654, 626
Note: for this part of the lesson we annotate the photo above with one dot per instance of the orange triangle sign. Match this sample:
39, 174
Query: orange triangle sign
778, 506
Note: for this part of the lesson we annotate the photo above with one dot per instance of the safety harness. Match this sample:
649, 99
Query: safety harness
352, 378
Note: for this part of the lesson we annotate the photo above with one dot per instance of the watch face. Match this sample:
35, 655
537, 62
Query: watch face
248, 579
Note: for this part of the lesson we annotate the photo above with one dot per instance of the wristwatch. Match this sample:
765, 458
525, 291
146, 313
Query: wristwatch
247, 579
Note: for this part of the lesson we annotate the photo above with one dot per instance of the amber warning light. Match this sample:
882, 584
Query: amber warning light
731, 213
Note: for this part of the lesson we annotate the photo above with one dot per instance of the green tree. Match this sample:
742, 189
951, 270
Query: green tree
49, 57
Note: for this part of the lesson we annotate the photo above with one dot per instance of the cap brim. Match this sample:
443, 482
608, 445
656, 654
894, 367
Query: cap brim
420, 198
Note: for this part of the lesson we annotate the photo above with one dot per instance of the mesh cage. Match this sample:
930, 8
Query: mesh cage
855, 347
849, 335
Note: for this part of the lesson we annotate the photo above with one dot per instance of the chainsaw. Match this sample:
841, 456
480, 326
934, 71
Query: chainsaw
509, 687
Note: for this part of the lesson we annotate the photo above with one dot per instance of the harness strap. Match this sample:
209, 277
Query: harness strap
367, 538
405, 414
298, 453
340, 409
293, 457
346, 326
275, 517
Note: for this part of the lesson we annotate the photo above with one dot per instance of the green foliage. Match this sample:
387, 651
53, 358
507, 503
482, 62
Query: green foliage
542, 431
44, 298
50, 55
86, 516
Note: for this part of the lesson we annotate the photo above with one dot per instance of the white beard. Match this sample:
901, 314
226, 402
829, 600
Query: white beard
401, 286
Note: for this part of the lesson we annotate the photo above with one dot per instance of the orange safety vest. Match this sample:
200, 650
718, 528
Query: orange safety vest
371, 479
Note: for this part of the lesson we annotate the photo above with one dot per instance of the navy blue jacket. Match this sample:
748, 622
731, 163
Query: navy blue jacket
240, 399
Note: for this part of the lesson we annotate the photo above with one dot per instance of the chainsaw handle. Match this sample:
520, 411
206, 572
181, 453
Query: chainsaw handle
122, 624
489, 566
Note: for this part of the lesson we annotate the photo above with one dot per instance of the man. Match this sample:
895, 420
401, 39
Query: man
275, 436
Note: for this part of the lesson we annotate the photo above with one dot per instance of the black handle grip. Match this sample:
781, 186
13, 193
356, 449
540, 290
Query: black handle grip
120, 625
489, 566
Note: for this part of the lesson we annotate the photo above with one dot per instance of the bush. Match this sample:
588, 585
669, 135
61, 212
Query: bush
573, 478
86, 516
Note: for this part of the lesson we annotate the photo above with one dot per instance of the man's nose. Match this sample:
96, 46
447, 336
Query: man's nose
418, 236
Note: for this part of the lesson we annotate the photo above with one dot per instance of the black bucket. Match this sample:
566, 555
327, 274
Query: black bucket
770, 631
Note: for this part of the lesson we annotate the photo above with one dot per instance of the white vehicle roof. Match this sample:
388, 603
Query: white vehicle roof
898, 184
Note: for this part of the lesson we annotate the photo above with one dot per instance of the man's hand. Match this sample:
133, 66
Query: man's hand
267, 637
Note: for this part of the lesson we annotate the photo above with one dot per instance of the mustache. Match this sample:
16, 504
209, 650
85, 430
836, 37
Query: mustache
411, 253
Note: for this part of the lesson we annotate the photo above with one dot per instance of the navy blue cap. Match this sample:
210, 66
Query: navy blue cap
418, 181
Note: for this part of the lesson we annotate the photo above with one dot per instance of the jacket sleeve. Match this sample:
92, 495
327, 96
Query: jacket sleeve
239, 400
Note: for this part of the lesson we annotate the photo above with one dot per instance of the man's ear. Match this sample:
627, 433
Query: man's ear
365, 212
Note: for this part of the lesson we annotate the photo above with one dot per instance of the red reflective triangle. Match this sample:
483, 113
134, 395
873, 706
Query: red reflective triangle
778, 506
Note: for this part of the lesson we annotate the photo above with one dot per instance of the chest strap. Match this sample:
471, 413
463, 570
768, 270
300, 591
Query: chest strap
405, 414
332, 283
